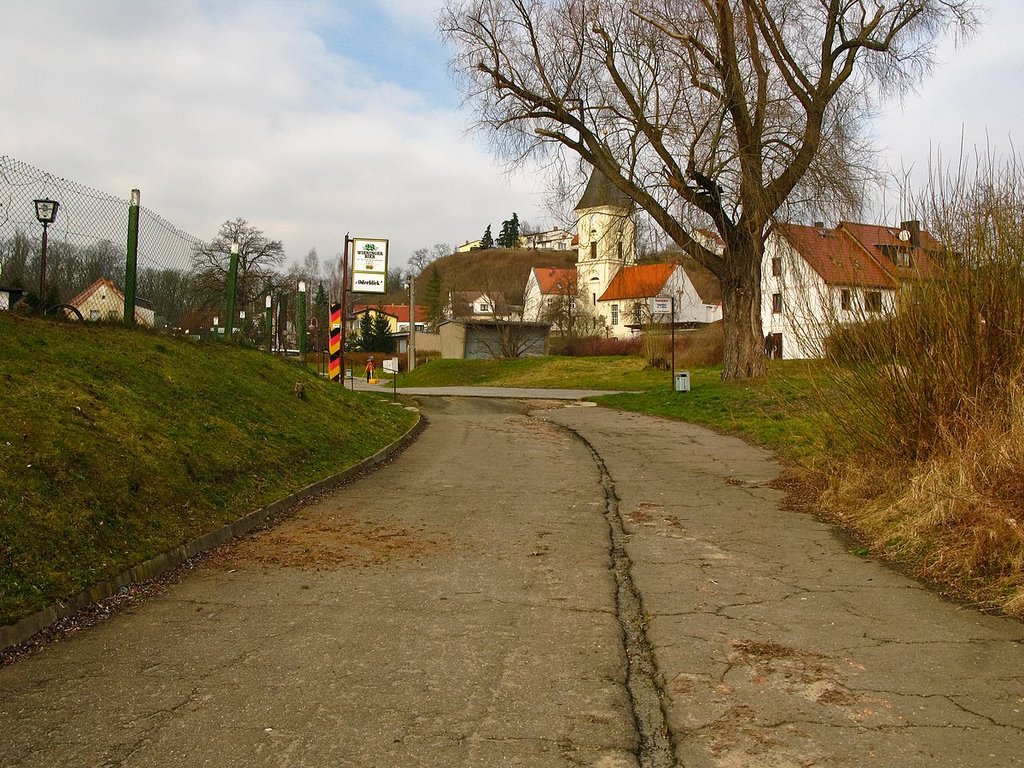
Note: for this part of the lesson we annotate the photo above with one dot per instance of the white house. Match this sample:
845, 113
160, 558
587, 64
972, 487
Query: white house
468, 305
103, 300
814, 278
548, 290
551, 240
644, 294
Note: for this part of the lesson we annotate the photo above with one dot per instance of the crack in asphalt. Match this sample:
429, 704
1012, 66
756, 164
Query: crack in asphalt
646, 695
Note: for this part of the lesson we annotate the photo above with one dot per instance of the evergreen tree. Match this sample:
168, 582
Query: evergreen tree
434, 298
383, 341
365, 343
487, 241
509, 237
322, 315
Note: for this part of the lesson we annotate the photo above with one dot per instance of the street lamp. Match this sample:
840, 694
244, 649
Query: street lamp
46, 214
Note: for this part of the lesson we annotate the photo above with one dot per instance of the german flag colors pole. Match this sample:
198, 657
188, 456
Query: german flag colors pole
335, 362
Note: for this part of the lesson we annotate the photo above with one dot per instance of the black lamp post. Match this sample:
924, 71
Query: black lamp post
46, 214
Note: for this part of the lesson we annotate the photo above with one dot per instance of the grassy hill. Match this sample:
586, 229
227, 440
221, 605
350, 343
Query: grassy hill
116, 445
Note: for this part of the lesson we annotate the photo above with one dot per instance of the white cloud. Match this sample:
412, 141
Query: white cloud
972, 99
217, 110
307, 117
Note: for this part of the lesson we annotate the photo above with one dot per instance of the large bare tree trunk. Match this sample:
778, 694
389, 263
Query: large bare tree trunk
741, 315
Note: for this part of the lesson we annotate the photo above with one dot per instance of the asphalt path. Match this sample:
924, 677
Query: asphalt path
533, 584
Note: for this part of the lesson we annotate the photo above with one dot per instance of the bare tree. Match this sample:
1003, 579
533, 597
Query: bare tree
258, 261
706, 113
422, 257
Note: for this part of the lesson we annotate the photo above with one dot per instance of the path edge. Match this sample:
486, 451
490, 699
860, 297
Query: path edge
28, 627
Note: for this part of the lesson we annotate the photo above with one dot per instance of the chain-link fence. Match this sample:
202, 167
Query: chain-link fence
84, 263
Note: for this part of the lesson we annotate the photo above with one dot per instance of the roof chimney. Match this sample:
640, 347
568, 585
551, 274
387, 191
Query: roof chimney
914, 228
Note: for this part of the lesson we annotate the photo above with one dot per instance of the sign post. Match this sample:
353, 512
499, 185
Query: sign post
664, 304
334, 366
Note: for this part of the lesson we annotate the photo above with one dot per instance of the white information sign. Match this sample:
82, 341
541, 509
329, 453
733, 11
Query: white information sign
391, 365
662, 304
364, 283
369, 265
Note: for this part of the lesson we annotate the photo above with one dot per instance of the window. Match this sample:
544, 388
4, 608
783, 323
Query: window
94, 314
845, 299
593, 249
619, 246
776, 266
873, 301
776, 303
898, 254
615, 314
484, 307
638, 313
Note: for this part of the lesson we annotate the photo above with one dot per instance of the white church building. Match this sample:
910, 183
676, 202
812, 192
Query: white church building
623, 294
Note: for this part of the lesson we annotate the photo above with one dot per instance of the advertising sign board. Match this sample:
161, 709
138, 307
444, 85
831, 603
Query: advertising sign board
369, 265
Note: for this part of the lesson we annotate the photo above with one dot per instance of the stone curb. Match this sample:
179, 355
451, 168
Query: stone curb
13, 634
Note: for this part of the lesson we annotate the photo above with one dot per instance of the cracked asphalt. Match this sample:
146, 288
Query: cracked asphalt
530, 584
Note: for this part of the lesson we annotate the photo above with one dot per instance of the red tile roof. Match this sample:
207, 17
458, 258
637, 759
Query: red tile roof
553, 280
877, 239
836, 256
398, 311
639, 282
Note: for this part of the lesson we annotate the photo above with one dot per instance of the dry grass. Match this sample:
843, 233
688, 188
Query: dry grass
928, 405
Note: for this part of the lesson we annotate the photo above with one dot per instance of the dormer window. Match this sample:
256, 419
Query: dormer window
897, 254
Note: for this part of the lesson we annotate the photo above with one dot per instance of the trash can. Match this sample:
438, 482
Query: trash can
682, 381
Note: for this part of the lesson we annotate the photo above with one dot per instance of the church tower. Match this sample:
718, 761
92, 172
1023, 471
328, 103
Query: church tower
607, 236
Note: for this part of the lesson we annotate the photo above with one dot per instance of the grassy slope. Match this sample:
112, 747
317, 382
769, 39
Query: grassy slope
117, 445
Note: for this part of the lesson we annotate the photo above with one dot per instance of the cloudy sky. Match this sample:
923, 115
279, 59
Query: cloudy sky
313, 118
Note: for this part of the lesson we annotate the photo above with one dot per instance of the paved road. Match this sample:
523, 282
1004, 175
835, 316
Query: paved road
533, 585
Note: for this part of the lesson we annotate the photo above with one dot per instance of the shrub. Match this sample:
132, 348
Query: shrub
595, 346
927, 405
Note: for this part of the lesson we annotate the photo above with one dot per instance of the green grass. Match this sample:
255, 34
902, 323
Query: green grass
777, 412
612, 373
116, 445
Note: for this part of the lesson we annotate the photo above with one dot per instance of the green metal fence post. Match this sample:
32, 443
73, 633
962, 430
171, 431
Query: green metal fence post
300, 320
132, 262
229, 323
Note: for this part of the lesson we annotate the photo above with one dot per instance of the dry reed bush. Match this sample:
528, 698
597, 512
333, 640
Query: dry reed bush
957, 518
703, 347
927, 404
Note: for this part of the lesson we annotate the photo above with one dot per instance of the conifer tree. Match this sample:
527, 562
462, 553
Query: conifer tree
487, 241
433, 298
509, 236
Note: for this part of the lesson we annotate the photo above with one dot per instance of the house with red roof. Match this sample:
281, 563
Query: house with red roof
815, 278
551, 295
396, 314
103, 300
636, 297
